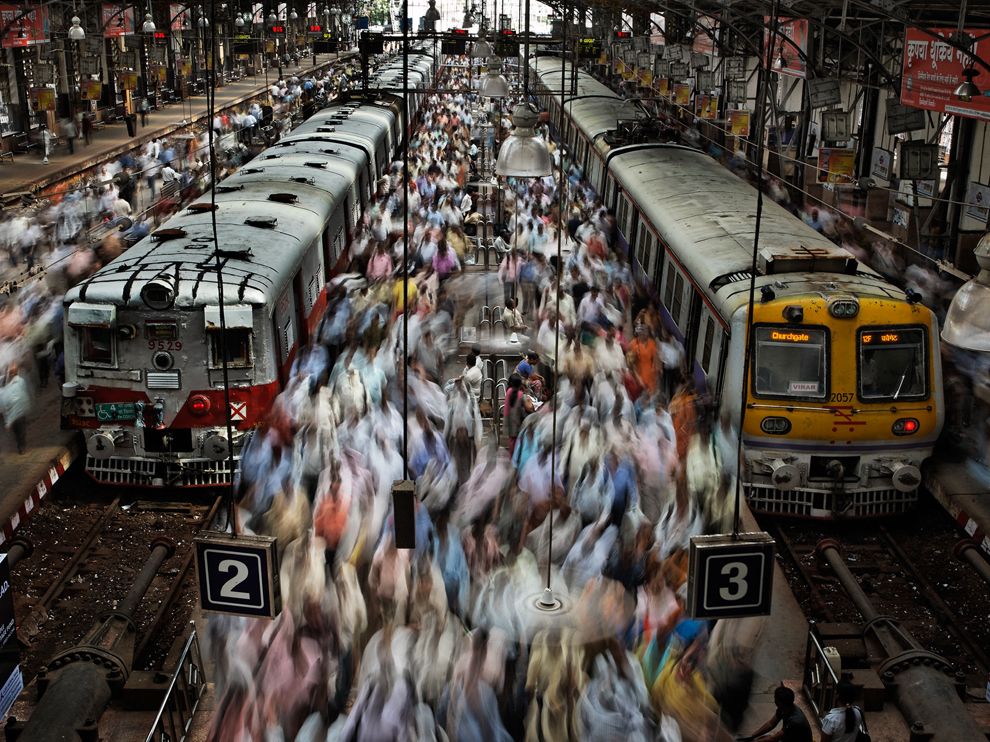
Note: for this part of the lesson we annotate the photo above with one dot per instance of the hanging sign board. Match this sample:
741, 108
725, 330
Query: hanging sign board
663, 87
128, 80
735, 68
730, 577
116, 20
918, 161
978, 202
44, 74
736, 91
902, 119
156, 55
738, 122
90, 90
882, 160
932, 69
680, 70
705, 81
43, 99
128, 59
238, 575
707, 106
787, 50
836, 165
89, 66
824, 92
24, 30
682, 94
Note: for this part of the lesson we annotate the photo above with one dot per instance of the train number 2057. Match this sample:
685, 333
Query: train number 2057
840, 397
164, 345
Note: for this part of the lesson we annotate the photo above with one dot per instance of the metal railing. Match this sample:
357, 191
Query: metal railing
820, 679
182, 698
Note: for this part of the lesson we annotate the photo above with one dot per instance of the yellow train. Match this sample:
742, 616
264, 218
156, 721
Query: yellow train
844, 398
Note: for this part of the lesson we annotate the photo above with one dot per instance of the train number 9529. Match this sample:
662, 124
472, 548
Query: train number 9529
164, 345
840, 397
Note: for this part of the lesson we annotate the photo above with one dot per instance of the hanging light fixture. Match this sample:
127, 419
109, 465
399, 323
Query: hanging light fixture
76, 31
481, 49
239, 22
293, 16
523, 154
431, 16
967, 90
468, 16
149, 24
272, 18
494, 85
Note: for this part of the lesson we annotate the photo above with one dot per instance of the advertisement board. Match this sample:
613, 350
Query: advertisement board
682, 94
978, 202
738, 123
24, 28
787, 50
932, 69
90, 90
116, 20
836, 165
707, 107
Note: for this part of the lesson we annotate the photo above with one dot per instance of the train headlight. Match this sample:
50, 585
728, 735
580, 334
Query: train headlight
775, 425
844, 308
905, 426
199, 404
159, 293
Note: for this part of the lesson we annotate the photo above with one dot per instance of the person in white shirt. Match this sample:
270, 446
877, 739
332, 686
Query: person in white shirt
472, 375
842, 723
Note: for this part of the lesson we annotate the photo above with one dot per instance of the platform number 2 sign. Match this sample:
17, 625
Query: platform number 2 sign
238, 575
730, 576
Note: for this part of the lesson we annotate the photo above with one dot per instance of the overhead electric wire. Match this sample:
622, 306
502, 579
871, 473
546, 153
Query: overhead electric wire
211, 89
751, 302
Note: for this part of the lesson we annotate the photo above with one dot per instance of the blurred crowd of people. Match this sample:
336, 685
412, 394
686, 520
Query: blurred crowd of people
603, 443
48, 245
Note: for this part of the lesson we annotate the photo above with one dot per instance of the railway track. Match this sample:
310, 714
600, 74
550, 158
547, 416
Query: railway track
85, 558
906, 567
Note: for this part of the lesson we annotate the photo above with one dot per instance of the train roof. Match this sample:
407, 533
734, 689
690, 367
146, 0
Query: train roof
267, 213
708, 218
595, 108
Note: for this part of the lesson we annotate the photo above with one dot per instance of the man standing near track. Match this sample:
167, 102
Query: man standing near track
15, 401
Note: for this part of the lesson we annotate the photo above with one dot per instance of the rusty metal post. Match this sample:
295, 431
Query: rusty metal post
967, 550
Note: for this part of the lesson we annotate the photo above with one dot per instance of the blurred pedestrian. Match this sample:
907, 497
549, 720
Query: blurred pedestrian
15, 402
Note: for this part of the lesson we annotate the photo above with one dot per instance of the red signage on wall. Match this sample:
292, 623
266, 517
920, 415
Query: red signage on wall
933, 69
24, 30
116, 20
787, 50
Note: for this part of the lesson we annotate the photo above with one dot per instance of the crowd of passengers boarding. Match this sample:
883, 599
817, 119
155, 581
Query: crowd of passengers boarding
602, 432
48, 246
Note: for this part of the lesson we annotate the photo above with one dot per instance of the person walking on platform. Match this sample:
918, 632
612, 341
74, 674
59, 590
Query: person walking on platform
144, 109
69, 129
46, 144
843, 723
15, 402
795, 724
86, 124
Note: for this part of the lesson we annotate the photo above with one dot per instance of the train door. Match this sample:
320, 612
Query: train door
708, 349
299, 295
285, 331
677, 295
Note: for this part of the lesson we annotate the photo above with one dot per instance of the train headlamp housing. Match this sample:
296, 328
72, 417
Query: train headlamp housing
775, 425
844, 308
794, 313
905, 426
159, 293
199, 404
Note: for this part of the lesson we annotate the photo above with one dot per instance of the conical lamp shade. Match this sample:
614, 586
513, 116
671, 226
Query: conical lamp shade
482, 49
494, 85
524, 155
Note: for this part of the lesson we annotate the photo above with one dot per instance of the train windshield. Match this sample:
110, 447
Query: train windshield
790, 361
892, 364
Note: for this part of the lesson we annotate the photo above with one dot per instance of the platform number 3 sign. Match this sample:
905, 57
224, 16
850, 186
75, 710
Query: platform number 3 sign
238, 575
730, 576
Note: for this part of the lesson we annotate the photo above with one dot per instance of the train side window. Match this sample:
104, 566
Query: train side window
706, 349
96, 346
678, 300
235, 344
668, 293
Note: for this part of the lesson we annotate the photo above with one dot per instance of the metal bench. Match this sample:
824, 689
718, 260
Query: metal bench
8, 155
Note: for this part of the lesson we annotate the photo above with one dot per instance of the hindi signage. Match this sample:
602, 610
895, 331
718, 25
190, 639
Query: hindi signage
932, 69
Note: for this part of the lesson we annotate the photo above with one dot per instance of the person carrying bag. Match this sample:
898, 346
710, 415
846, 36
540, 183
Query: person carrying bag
845, 722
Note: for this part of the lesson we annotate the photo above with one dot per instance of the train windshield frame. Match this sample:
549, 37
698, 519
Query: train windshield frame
791, 362
892, 363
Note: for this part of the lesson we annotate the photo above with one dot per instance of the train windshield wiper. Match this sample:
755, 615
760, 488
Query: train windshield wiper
900, 384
